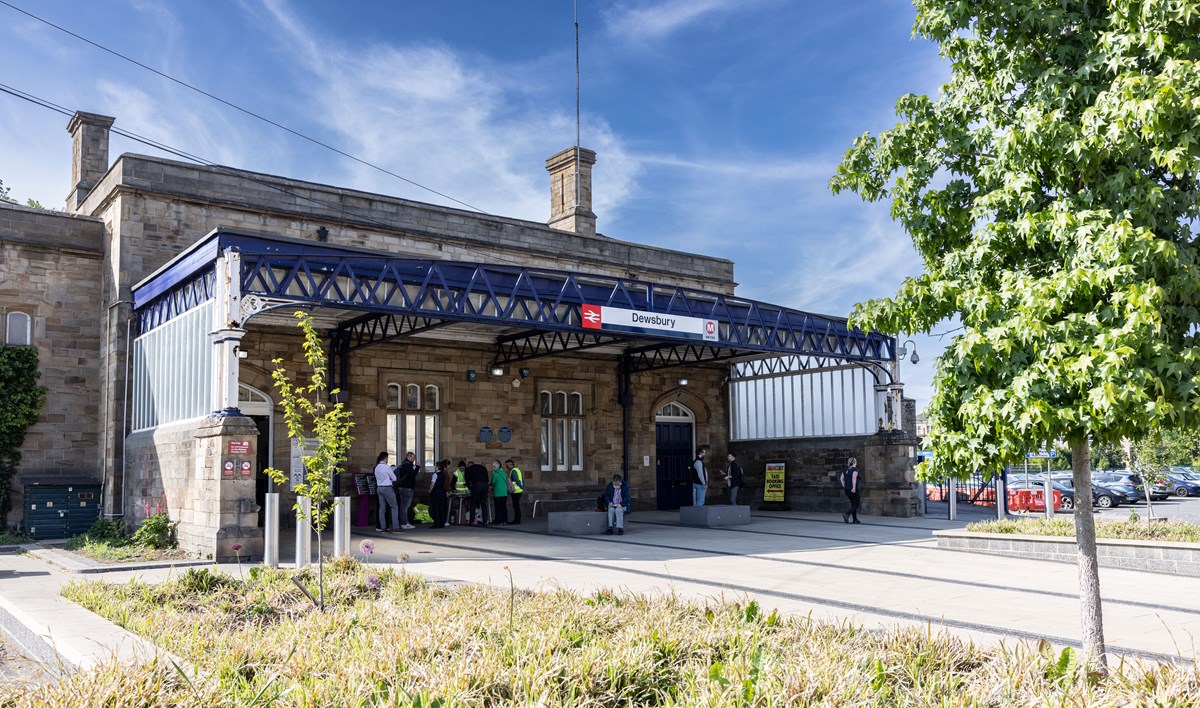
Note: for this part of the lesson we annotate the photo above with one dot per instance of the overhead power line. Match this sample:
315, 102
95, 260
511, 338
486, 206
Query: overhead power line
242, 174
236, 107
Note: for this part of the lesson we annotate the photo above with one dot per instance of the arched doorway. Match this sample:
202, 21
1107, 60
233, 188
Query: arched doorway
674, 447
258, 407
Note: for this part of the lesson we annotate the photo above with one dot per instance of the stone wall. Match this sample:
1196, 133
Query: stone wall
50, 270
494, 402
814, 465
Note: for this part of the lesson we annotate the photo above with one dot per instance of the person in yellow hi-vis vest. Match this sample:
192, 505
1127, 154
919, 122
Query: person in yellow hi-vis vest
461, 491
516, 487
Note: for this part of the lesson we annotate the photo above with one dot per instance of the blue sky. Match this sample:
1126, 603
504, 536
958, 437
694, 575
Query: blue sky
717, 123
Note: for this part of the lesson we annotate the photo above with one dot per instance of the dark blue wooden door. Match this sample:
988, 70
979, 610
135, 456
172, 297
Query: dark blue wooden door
674, 453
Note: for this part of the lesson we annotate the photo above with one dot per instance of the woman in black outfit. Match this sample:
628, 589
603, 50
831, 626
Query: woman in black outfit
851, 484
437, 494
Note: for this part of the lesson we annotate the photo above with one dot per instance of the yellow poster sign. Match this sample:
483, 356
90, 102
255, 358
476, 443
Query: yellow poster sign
773, 489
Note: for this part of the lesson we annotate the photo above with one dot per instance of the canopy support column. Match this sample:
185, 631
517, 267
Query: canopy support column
227, 333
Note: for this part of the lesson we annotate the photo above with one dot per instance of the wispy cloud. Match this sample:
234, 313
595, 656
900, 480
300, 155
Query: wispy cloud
654, 20
454, 122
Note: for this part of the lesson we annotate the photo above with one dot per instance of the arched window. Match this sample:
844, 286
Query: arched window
561, 430
18, 328
413, 422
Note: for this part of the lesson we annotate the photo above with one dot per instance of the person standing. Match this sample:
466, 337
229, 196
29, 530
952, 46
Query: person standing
699, 477
617, 499
851, 485
500, 494
462, 492
477, 483
406, 484
733, 475
516, 487
437, 494
384, 479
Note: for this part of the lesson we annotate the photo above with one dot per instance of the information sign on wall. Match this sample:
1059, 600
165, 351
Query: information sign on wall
773, 488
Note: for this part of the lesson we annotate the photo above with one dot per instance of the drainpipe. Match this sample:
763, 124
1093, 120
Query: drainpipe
625, 398
124, 405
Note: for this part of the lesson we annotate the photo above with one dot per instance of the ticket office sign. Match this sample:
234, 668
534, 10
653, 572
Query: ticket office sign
602, 317
773, 488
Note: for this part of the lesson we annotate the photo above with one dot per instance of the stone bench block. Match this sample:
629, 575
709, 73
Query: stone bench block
576, 523
714, 515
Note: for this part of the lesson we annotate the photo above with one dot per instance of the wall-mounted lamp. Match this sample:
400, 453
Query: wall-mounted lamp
904, 351
524, 373
497, 371
683, 382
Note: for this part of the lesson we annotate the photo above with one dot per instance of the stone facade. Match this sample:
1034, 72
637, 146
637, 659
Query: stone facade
814, 465
134, 216
50, 269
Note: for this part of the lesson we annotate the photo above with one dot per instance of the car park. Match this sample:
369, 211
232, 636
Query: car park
1102, 496
1122, 484
1184, 484
1037, 485
1129, 484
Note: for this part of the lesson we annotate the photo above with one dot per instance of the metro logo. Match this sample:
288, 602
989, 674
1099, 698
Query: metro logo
710, 327
589, 316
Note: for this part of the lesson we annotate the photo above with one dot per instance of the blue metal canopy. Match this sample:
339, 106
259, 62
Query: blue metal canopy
386, 297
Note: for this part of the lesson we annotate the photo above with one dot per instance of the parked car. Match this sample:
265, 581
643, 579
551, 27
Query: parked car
1116, 481
1130, 484
1102, 496
1184, 484
1036, 484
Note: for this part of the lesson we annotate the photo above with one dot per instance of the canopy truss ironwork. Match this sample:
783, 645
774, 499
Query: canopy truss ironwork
405, 296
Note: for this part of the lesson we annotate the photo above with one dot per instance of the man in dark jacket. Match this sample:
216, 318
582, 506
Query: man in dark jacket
617, 500
733, 475
477, 482
406, 484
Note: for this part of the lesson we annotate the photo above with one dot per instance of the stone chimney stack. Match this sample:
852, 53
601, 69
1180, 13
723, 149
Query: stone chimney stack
565, 213
89, 154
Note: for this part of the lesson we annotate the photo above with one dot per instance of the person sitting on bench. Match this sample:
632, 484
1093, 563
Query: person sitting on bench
617, 499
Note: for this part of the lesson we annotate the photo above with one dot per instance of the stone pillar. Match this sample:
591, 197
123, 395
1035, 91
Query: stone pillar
570, 211
222, 491
89, 154
908, 416
889, 479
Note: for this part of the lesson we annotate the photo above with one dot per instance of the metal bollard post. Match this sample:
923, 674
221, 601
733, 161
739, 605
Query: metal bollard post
952, 496
1049, 498
341, 526
303, 532
271, 530
1001, 499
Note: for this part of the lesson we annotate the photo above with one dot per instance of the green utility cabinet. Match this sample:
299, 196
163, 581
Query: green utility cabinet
60, 508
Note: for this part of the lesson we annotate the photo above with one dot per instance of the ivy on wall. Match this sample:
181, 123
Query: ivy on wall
21, 399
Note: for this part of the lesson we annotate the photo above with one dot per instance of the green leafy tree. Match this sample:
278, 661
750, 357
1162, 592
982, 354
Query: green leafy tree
1051, 190
21, 400
4, 194
307, 414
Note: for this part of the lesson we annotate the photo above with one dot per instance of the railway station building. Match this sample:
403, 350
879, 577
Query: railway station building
160, 297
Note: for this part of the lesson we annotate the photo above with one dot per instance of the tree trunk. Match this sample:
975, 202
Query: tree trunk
1089, 571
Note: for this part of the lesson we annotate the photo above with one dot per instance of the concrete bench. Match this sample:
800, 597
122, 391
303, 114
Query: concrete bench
714, 515
576, 523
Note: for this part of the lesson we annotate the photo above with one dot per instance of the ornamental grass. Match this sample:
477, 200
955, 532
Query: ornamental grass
1133, 530
390, 638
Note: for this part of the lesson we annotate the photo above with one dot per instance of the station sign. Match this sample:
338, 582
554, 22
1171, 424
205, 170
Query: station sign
618, 319
1042, 455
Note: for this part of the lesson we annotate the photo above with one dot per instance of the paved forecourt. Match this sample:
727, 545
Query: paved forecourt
883, 572
879, 573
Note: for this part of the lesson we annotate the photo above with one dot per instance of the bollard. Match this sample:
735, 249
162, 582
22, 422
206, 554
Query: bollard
341, 526
271, 530
1050, 497
303, 532
1001, 499
952, 497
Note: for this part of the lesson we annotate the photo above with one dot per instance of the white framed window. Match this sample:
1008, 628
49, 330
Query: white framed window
414, 422
18, 328
561, 431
